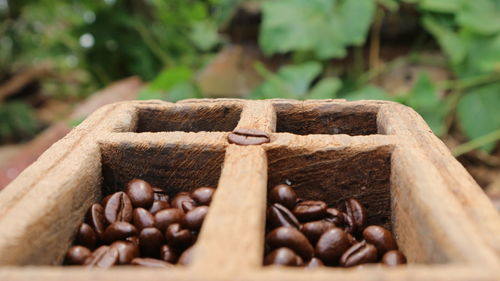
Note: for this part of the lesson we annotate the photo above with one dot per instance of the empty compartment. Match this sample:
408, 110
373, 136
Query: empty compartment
188, 118
326, 119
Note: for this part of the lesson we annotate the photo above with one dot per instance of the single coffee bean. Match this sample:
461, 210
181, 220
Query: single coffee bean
168, 254
187, 256
77, 255
160, 195
127, 251
291, 238
194, 218
149, 262
183, 201
358, 254
314, 263
283, 194
335, 216
150, 241
243, 136
178, 237
278, 215
95, 218
166, 217
281, 256
118, 208
349, 225
119, 230
381, 238
310, 210
141, 218
103, 257
357, 212
158, 206
314, 229
203, 195
393, 258
86, 236
140, 193
331, 245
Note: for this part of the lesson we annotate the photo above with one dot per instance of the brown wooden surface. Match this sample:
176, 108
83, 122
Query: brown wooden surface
380, 152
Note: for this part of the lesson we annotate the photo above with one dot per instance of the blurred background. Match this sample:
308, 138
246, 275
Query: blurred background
61, 60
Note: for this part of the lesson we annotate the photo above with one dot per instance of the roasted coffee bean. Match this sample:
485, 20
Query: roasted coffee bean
357, 212
278, 215
349, 225
168, 254
314, 229
158, 206
359, 253
149, 262
381, 238
150, 241
160, 195
283, 194
86, 236
140, 193
203, 195
194, 218
291, 238
142, 218
393, 258
183, 201
178, 237
166, 217
118, 208
95, 218
331, 245
314, 263
187, 256
127, 251
310, 210
282, 256
243, 136
119, 230
103, 257
77, 255
335, 216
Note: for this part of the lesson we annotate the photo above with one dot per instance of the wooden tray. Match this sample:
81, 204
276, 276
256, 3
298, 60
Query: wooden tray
382, 153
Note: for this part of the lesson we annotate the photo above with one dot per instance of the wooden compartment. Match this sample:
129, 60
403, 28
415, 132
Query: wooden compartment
379, 151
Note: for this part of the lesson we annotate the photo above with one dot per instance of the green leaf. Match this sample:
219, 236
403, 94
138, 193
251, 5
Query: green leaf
204, 35
442, 6
480, 16
369, 92
477, 112
171, 84
327, 88
356, 17
170, 77
447, 39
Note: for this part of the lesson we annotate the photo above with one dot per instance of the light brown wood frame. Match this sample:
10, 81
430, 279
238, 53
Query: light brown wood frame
375, 150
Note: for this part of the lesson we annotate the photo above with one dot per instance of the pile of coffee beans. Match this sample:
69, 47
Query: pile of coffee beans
141, 226
309, 233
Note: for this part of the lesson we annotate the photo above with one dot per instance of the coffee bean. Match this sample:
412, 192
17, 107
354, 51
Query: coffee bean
314, 263
166, 217
310, 210
149, 262
243, 136
158, 206
281, 256
314, 229
283, 194
194, 218
331, 245
291, 238
393, 258
127, 251
178, 237
381, 238
168, 254
119, 230
103, 257
77, 255
187, 256
118, 208
95, 218
335, 216
278, 215
349, 226
160, 195
359, 253
183, 201
86, 236
142, 218
357, 212
203, 195
140, 193
150, 241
